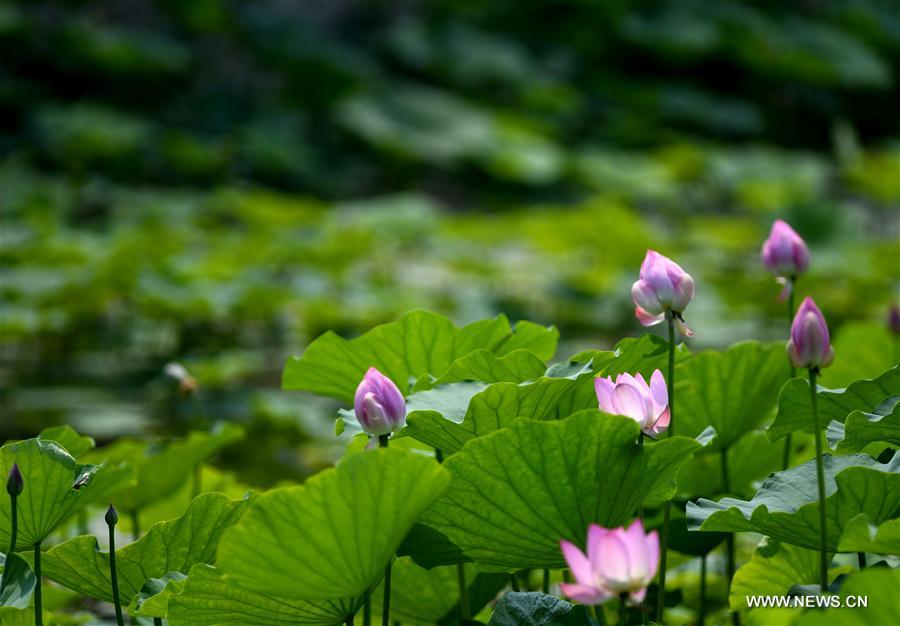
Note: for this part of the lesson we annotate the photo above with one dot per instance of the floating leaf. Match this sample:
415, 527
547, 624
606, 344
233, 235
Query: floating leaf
344, 526
49, 497
860, 429
861, 536
773, 570
786, 505
175, 545
516, 492
178, 458
17, 582
417, 344
734, 391
795, 407
211, 598
536, 609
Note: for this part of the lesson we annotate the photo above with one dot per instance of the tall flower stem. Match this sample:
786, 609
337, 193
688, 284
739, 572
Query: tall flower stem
135, 525
38, 600
157, 621
623, 612
667, 507
702, 618
820, 478
113, 573
386, 604
545, 583
599, 615
786, 459
463, 592
861, 559
14, 530
729, 540
367, 610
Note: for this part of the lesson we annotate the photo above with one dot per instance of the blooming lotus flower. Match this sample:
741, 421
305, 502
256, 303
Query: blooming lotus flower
379, 405
662, 286
810, 345
648, 405
785, 254
617, 561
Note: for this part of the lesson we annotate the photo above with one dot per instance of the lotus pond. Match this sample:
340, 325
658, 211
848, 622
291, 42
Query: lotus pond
368, 312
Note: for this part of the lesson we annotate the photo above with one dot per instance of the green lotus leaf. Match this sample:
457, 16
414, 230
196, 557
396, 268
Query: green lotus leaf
485, 366
734, 391
66, 436
56, 487
171, 546
211, 598
536, 609
881, 588
786, 505
332, 537
861, 350
567, 387
795, 406
430, 548
750, 458
861, 536
774, 568
417, 344
17, 582
163, 468
516, 492
860, 429
424, 597
153, 598
536, 338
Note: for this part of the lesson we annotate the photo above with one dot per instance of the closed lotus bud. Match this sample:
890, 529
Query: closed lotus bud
618, 561
14, 482
379, 405
631, 396
894, 319
810, 344
662, 286
785, 254
112, 518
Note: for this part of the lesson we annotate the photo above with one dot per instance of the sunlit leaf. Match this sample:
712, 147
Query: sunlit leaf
861, 536
880, 586
17, 582
860, 429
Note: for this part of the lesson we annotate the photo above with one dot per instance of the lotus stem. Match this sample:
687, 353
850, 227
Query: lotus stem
367, 610
729, 540
157, 621
545, 583
38, 600
599, 615
514, 582
861, 558
664, 539
820, 477
111, 519
386, 603
786, 459
14, 518
623, 612
135, 525
464, 609
702, 617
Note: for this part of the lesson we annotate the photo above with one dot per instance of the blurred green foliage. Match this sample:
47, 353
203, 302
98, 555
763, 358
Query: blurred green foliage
220, 182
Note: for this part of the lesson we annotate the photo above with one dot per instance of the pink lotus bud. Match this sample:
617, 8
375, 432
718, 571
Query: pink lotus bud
810, 345
894, 319
631, 396
379, 405
662, 286
617, 561
785, 254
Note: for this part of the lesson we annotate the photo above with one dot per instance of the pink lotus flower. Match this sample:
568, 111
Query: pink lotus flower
617, 561
785, 254
648, 405
379, 405
662, 286
810, 345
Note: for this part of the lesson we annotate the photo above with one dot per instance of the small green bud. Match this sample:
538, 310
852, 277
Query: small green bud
15, 483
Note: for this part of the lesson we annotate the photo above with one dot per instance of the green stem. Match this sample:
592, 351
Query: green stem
113, 575
729, 540
514, 582
135, 525
386, 604
439, 455
861, 558
702, 618
14, 516
820, 476
348, 621
664, 540
786, 459
157, 621
599, 615
197, 486
567, 576
38, 600
545, 586
367, 610
623, 612
463, 592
